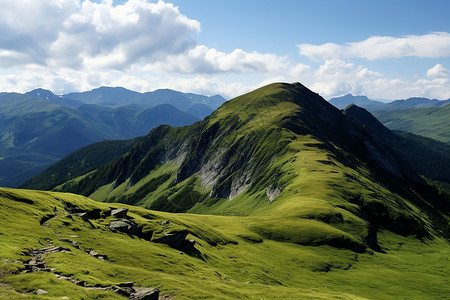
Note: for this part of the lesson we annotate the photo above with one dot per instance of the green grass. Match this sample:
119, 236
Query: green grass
429, 122
234, 256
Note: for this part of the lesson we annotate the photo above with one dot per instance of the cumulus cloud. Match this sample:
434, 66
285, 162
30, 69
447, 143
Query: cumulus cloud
92, 35
204, 60
438, 71
337, 77
207, 85
433, 45
101, 36
28, 28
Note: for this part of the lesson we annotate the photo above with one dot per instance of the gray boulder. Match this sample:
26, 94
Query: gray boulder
41, 292
176, 240
145, 294
119, 212
125, 226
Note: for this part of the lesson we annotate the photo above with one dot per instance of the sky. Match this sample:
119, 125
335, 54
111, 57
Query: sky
389, 50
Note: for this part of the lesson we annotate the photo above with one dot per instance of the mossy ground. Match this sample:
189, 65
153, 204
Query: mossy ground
231, 260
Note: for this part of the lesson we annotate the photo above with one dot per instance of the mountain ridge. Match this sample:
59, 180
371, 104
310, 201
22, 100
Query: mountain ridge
36, 131
374, 105
251, 164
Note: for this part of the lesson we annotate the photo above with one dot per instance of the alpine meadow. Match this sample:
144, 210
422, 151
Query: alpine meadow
226, 150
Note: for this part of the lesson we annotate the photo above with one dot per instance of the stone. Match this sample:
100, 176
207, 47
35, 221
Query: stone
82, 215
173, 239
124, 291
126, 284
166, 222
119, 212
41, 292
75, 244
125, 226
120, 226
176, 240
145, 294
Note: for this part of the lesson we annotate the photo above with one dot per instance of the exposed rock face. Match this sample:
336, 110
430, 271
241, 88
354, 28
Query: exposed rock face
176, 240
41, 292
119, 212
125, 226
273, 191
145, 294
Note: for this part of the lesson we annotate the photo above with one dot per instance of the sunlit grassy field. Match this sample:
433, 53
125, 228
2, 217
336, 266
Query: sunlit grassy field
234, 257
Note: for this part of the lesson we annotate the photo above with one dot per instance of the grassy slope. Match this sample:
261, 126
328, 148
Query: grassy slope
430, 122
411, 269
77, 163
339, 201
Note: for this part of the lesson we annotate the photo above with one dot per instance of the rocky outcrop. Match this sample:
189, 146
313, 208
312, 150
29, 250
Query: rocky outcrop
176, 240
119, 212
145, 294
41, 292
126, 226
37, 262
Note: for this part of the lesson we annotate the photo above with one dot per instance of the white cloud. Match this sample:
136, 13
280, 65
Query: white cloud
204, 60
92, 35
337, 77
206, 85
334, 68
438, 71
28, 28
433, 45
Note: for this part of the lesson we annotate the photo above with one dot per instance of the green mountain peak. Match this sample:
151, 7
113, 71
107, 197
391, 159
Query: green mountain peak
280, 151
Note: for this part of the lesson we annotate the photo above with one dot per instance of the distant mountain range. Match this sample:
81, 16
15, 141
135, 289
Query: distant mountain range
422, 116
374, 105
38, 128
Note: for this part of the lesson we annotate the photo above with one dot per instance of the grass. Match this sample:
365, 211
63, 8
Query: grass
234, 257
429, 122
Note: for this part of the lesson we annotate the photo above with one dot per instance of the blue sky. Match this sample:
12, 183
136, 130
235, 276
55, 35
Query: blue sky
382, 49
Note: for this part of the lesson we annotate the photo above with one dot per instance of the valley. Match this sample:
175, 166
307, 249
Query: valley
39, 128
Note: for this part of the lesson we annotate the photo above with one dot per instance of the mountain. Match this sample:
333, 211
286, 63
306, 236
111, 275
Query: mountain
118, 96
427, 156
416, 102
372, 105
199, 110
280, 151
432, 122
48, 95
128, 121
361, 101
36, 131
79, 162
106, 96
422, 116
276, 194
